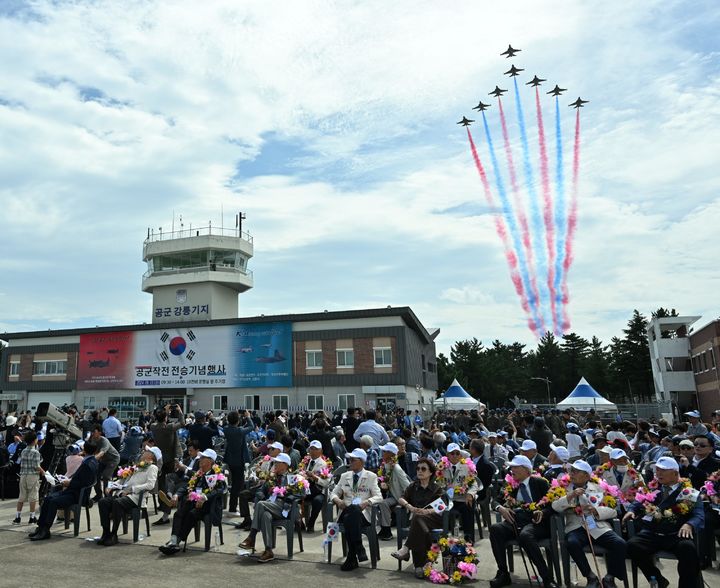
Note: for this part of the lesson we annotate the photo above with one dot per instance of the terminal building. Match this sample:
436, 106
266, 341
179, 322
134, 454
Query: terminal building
198, 353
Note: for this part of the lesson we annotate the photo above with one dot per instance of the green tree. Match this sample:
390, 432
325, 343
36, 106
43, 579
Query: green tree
546, 362
630, 361
466, 357
575, 350
597, 367
445, 372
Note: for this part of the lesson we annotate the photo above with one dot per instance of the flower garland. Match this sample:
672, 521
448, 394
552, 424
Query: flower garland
459, 560
682, 507
626, 496
558, 489
324, 473
711, 487
211, 479
385, 472
263, 469
461, 486
510, 501
128, 471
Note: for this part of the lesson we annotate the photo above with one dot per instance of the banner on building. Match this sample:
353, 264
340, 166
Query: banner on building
231, 356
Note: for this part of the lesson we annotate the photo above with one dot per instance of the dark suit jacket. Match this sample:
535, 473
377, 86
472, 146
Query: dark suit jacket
485, 471
86, 475
538, 489
699, 473
695, 517
237, 452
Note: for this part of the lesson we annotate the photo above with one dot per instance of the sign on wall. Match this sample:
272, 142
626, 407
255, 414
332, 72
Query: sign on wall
231, 356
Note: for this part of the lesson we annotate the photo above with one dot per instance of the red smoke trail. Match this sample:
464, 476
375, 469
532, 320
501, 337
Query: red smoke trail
572, 222
502, 233
520, 213
548, 212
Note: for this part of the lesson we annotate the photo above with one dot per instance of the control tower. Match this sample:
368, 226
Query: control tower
197, 273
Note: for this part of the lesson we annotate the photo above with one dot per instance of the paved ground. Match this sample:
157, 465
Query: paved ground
64, 560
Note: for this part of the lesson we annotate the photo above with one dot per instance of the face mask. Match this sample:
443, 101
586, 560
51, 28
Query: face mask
621, 469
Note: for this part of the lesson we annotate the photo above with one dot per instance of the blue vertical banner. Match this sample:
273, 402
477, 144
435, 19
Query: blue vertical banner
262, 355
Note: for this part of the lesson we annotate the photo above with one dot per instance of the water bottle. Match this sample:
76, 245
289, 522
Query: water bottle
216, 546
653, 582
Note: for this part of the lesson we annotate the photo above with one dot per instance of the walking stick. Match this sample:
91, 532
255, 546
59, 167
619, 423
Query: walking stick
592, 549
522, 554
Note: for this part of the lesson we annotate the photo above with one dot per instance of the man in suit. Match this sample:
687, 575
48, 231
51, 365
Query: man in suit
557, 460
667, 534
703, 462
166, 439
315, 468
521, 524
584, 493
494, 450
200, 432
273, 506
460, 481
393, 485
85, 476
483, 468
355, 494
529, 450
237, 454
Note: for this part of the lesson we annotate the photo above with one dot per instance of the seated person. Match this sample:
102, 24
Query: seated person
280, 493
457, 475
618, 472
671, 513
138, 478
416, 499
557, 460
184, 470
317, 469
597, 509
74, 459
257, 478
356, 492
201, 496
393, 482
85, 476
522, 521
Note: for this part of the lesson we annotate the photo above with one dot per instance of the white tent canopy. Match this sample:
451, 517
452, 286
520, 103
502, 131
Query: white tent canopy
457, 398
584, 396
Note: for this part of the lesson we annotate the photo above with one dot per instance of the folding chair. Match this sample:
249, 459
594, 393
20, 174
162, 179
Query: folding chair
136, 514
369, 531
83, 501
291, 525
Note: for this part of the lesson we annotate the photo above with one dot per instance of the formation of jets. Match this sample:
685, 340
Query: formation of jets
515, 71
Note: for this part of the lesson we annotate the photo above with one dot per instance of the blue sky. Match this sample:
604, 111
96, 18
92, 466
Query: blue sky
332, 125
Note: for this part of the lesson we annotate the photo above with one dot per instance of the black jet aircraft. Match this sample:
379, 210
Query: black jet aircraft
480, 107
557, 90
497, 92
536, 81
578, 103
513, 71
510, 52
276, 358
465, 122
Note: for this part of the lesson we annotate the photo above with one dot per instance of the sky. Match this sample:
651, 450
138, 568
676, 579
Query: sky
331, 125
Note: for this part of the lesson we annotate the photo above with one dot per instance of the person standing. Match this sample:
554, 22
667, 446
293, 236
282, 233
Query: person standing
166, 439
30, 472
370, 427
108, 457
237, 455
112, 429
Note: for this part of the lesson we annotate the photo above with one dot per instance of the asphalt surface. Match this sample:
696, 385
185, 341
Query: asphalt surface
70, 561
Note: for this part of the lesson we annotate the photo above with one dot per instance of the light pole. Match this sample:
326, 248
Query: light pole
547, 383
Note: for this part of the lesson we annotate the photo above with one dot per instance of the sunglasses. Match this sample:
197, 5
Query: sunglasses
422, 469
701, 445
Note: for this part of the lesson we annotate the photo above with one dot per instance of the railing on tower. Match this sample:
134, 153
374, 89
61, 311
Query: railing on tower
160, 235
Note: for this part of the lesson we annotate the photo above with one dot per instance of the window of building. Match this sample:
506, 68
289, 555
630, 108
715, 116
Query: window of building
712, 358
704, 362
694, 360
431, 367
89, 403
280, 402
383, 356
313, 359
50, 368
346, 401
128, 407
220, 403
252, 402
345, 358
14, 368
315, 402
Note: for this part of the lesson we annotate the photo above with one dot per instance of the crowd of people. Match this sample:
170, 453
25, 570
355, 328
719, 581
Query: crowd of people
632, 488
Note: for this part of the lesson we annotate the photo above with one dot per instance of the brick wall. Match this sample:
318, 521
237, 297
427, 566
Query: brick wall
329, 357
72, 358
26, 367
364, 357
300, 358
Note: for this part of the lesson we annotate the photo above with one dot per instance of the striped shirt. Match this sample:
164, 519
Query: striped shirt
30, 460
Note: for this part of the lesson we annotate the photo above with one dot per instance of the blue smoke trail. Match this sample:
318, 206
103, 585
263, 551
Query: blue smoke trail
537, 232
512, 225
560, 224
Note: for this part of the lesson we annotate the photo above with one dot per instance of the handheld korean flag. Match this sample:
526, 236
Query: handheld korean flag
439, 506
333, 532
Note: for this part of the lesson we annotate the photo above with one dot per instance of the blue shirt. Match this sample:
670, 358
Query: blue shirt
377, 432
112, 427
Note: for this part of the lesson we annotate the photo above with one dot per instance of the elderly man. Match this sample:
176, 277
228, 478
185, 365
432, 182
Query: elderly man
618, 473
257, 478
373, 457
459, 478
279, 497
355, 494
369, 427
201, 496
317, 469
494, 450
557, 460
696, 427
529, 450
520, 523
393, 482
667, 533
84, 476
135, 480
588, 496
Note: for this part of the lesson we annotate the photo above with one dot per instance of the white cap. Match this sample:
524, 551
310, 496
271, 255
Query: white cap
607, 449
452, 447
316, 444
357, 454
391, 447
572, 426
617, 454
562, 452
282, 457
693, 413
667, 463
583, 466
521, 460
10, 420
492, 434
276, 445
528, 444
209, 453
